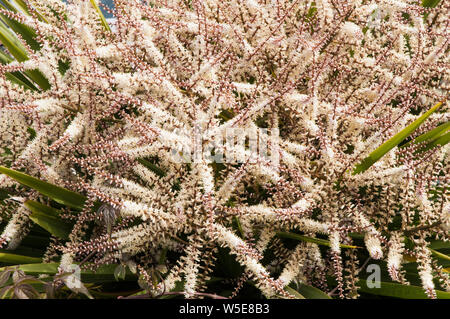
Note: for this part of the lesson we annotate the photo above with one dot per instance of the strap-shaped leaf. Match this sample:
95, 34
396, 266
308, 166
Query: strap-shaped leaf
430, 135
39, 79
103, 273
47, 217
294, 292
155, 169
16, 77
310, 292
18, 51
100, 14
18, 259
25, 31
439, 254
10, 41
430, 3
393, 141
58, 194
318, 241
439, 244
439, 141
391, 289
20, 4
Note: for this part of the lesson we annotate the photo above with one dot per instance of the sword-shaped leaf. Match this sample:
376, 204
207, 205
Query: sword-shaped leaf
25, 9
391, 289
18, 259
439, 141
58, 194
439, 254
19, 52
47, 217
100, 14
393, 141
103, 273
310, 292
16, 77
14, 46
430, 3
294, 292
318, 241
27, 33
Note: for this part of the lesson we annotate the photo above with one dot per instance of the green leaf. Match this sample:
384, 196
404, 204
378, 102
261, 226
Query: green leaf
47, 217
100, 14
24, 8
19, 52
18, 259
294, 292
104, 273
3, 195
155, 169
58, 194
16, 77
310, 292
436, 136
393, 142
390, 289
32, 133
441, 140
432, 134
21, 4
27, 33
430, 3
10, 41
238, 224
318, 241
439, 255
37, 77
439, 244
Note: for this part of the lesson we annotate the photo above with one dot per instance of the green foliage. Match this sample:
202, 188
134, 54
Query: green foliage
10, 258
393, 141
310, 292
102, 274
100, 15
390, 289
154, 168
430, 3
318, 241
47, 218
58, 194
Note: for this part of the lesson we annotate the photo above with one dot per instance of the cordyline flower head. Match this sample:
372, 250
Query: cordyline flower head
130, 112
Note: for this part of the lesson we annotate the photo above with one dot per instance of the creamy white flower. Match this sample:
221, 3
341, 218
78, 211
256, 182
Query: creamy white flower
351, 30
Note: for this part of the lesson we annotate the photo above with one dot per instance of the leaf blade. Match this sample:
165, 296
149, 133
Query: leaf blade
318, 241
379, 152
310, 292
101, 16
59, 194
294, 292
389, 289
104, 273
46, 217
18, 259
432, 134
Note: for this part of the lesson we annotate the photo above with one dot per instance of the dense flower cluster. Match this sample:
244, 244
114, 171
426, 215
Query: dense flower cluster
335, 78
